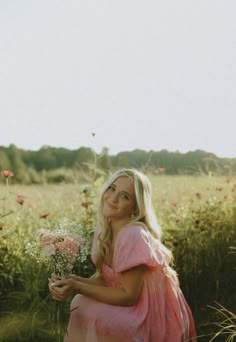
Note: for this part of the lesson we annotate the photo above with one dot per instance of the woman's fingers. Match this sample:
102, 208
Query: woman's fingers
60, 289
60, 283
58, 293
55, 277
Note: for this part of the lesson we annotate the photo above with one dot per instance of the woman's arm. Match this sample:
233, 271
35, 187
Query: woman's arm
131, 283
96, 279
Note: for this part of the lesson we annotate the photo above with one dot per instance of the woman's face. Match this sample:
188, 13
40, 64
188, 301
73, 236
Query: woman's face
118, 201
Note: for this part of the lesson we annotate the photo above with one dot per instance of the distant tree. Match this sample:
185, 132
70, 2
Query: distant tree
5, 163
36, 166
83, 155
104, 161
18, 166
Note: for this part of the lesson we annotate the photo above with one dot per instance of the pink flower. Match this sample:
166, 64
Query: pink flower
20, 201
47, 239
7, 174
78, 240
85, 205
67, 246
161, 170
44, 216
20, 195
49, 250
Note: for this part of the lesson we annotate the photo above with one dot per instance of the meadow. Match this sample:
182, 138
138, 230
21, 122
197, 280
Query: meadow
198, 217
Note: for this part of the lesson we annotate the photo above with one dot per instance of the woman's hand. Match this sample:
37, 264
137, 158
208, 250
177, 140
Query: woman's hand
61, 289
54, 278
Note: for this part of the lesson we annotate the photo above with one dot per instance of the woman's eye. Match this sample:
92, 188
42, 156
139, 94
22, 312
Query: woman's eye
124, 196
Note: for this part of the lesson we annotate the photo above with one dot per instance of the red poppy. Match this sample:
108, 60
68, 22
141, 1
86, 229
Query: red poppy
43, 216
7, 174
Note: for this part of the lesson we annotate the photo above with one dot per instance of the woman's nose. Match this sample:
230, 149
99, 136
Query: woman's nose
115, 197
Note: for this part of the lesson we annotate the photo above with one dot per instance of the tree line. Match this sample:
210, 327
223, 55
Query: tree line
54, 164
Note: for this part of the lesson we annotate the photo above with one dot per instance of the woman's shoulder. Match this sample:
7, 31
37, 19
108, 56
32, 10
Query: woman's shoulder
134, 232
135, 246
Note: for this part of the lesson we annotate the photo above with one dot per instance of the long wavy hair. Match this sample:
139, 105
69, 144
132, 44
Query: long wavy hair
145, 215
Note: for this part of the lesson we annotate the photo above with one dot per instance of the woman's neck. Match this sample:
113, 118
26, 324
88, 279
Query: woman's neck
117, 226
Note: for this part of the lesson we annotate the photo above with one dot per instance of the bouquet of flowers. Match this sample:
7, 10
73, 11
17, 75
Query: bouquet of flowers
61, 247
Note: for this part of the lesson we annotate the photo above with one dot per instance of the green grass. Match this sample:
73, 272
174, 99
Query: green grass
198, 216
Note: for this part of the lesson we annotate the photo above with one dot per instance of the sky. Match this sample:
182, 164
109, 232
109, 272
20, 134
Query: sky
147, 75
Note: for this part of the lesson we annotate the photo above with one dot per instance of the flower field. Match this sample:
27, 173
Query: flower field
198, 216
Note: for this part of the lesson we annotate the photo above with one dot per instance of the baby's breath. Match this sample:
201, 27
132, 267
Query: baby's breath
61, 247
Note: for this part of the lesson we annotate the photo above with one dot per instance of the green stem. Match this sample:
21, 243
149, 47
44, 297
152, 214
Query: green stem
7, 187
58, 321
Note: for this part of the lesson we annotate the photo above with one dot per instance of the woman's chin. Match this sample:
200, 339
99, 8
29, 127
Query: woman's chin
107, 214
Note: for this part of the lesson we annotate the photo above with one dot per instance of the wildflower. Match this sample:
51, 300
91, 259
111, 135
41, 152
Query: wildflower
44, 216
61, 247
69, 248
219, 188
7, 174
85, 205
198, 195
20, 201
228, 180
20, 195
161, 170
177, 219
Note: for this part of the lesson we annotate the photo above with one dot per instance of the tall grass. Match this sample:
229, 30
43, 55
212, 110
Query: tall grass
198, 216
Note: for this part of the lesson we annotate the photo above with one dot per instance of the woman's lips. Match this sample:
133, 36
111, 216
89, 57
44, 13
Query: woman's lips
111, 206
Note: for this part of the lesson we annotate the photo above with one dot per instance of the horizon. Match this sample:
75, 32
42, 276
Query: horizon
114, 154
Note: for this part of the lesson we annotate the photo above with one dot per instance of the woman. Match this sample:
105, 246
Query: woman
134, 295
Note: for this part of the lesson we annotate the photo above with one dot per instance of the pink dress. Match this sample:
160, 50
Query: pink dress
161, 314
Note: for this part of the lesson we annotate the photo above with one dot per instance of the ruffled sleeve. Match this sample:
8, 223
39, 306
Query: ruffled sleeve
135, 246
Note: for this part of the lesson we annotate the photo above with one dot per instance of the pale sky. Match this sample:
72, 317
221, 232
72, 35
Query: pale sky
146, 74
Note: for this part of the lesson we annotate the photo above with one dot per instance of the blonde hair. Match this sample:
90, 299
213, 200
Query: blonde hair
145, 215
